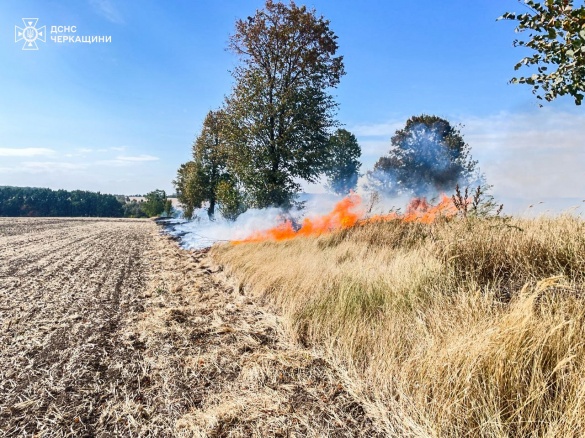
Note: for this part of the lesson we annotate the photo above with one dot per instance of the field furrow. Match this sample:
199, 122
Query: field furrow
60, 310
108, 328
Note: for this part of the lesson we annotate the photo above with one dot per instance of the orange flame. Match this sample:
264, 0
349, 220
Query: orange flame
421, 211
349, 212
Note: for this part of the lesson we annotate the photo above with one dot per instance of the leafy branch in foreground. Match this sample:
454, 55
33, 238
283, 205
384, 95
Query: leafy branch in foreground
557, 35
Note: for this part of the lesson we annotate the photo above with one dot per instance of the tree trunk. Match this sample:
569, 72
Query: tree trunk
211, 209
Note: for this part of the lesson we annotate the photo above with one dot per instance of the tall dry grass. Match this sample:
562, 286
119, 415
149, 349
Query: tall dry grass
461, 328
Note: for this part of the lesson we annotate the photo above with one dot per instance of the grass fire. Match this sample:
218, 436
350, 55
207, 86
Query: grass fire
350, 212
198, 246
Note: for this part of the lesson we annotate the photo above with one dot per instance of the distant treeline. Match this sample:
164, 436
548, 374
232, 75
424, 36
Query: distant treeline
31, 201
38, 202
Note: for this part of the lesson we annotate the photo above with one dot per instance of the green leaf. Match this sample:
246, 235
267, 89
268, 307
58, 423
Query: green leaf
556, 34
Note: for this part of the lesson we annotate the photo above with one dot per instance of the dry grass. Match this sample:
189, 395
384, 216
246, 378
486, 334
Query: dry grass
223, 366
463, 328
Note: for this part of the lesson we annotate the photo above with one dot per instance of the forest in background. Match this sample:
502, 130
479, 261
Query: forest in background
44, 202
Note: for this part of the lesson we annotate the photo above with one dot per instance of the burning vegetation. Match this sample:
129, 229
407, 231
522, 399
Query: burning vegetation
350, 212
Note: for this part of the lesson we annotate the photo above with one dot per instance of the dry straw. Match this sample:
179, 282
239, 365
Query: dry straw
470, 327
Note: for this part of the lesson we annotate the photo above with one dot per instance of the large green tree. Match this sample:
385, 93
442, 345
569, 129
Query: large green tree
209, 156
343, 166
280, 111
556, 34
427, 156
206, 178
133, 208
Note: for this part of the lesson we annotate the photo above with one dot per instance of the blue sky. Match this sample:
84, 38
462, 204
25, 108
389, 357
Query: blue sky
120, 117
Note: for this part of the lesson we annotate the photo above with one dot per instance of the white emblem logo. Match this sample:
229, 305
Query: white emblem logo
30, 34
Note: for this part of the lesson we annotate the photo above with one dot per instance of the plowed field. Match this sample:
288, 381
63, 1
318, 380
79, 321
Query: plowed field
107, 328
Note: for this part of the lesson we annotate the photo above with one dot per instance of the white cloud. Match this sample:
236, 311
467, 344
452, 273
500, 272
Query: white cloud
25, 152
114, 148
38, 167
125, 160
79, 152
137, 158
52, 166
113, 163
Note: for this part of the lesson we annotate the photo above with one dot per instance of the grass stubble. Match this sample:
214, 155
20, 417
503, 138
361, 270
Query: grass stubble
108, 328
66, 288
469, 327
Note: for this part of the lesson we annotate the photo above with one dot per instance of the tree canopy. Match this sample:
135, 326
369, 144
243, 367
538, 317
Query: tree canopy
206, 178
209, 156
279, 112
154, 205
557, 36
188, 187
427, 156
32, 201
133, 209
343, 166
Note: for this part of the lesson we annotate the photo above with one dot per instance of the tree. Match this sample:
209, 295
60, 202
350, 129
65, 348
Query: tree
32, 201
168, 210
557, 35
189, 187
427, 156
198, 180
154, 204
231, 200
209, 155
343, 165
133, 209
279, 112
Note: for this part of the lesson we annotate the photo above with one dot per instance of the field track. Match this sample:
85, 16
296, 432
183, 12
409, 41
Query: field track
107, 328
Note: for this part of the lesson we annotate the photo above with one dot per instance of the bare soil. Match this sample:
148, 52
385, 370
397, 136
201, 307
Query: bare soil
108, 328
